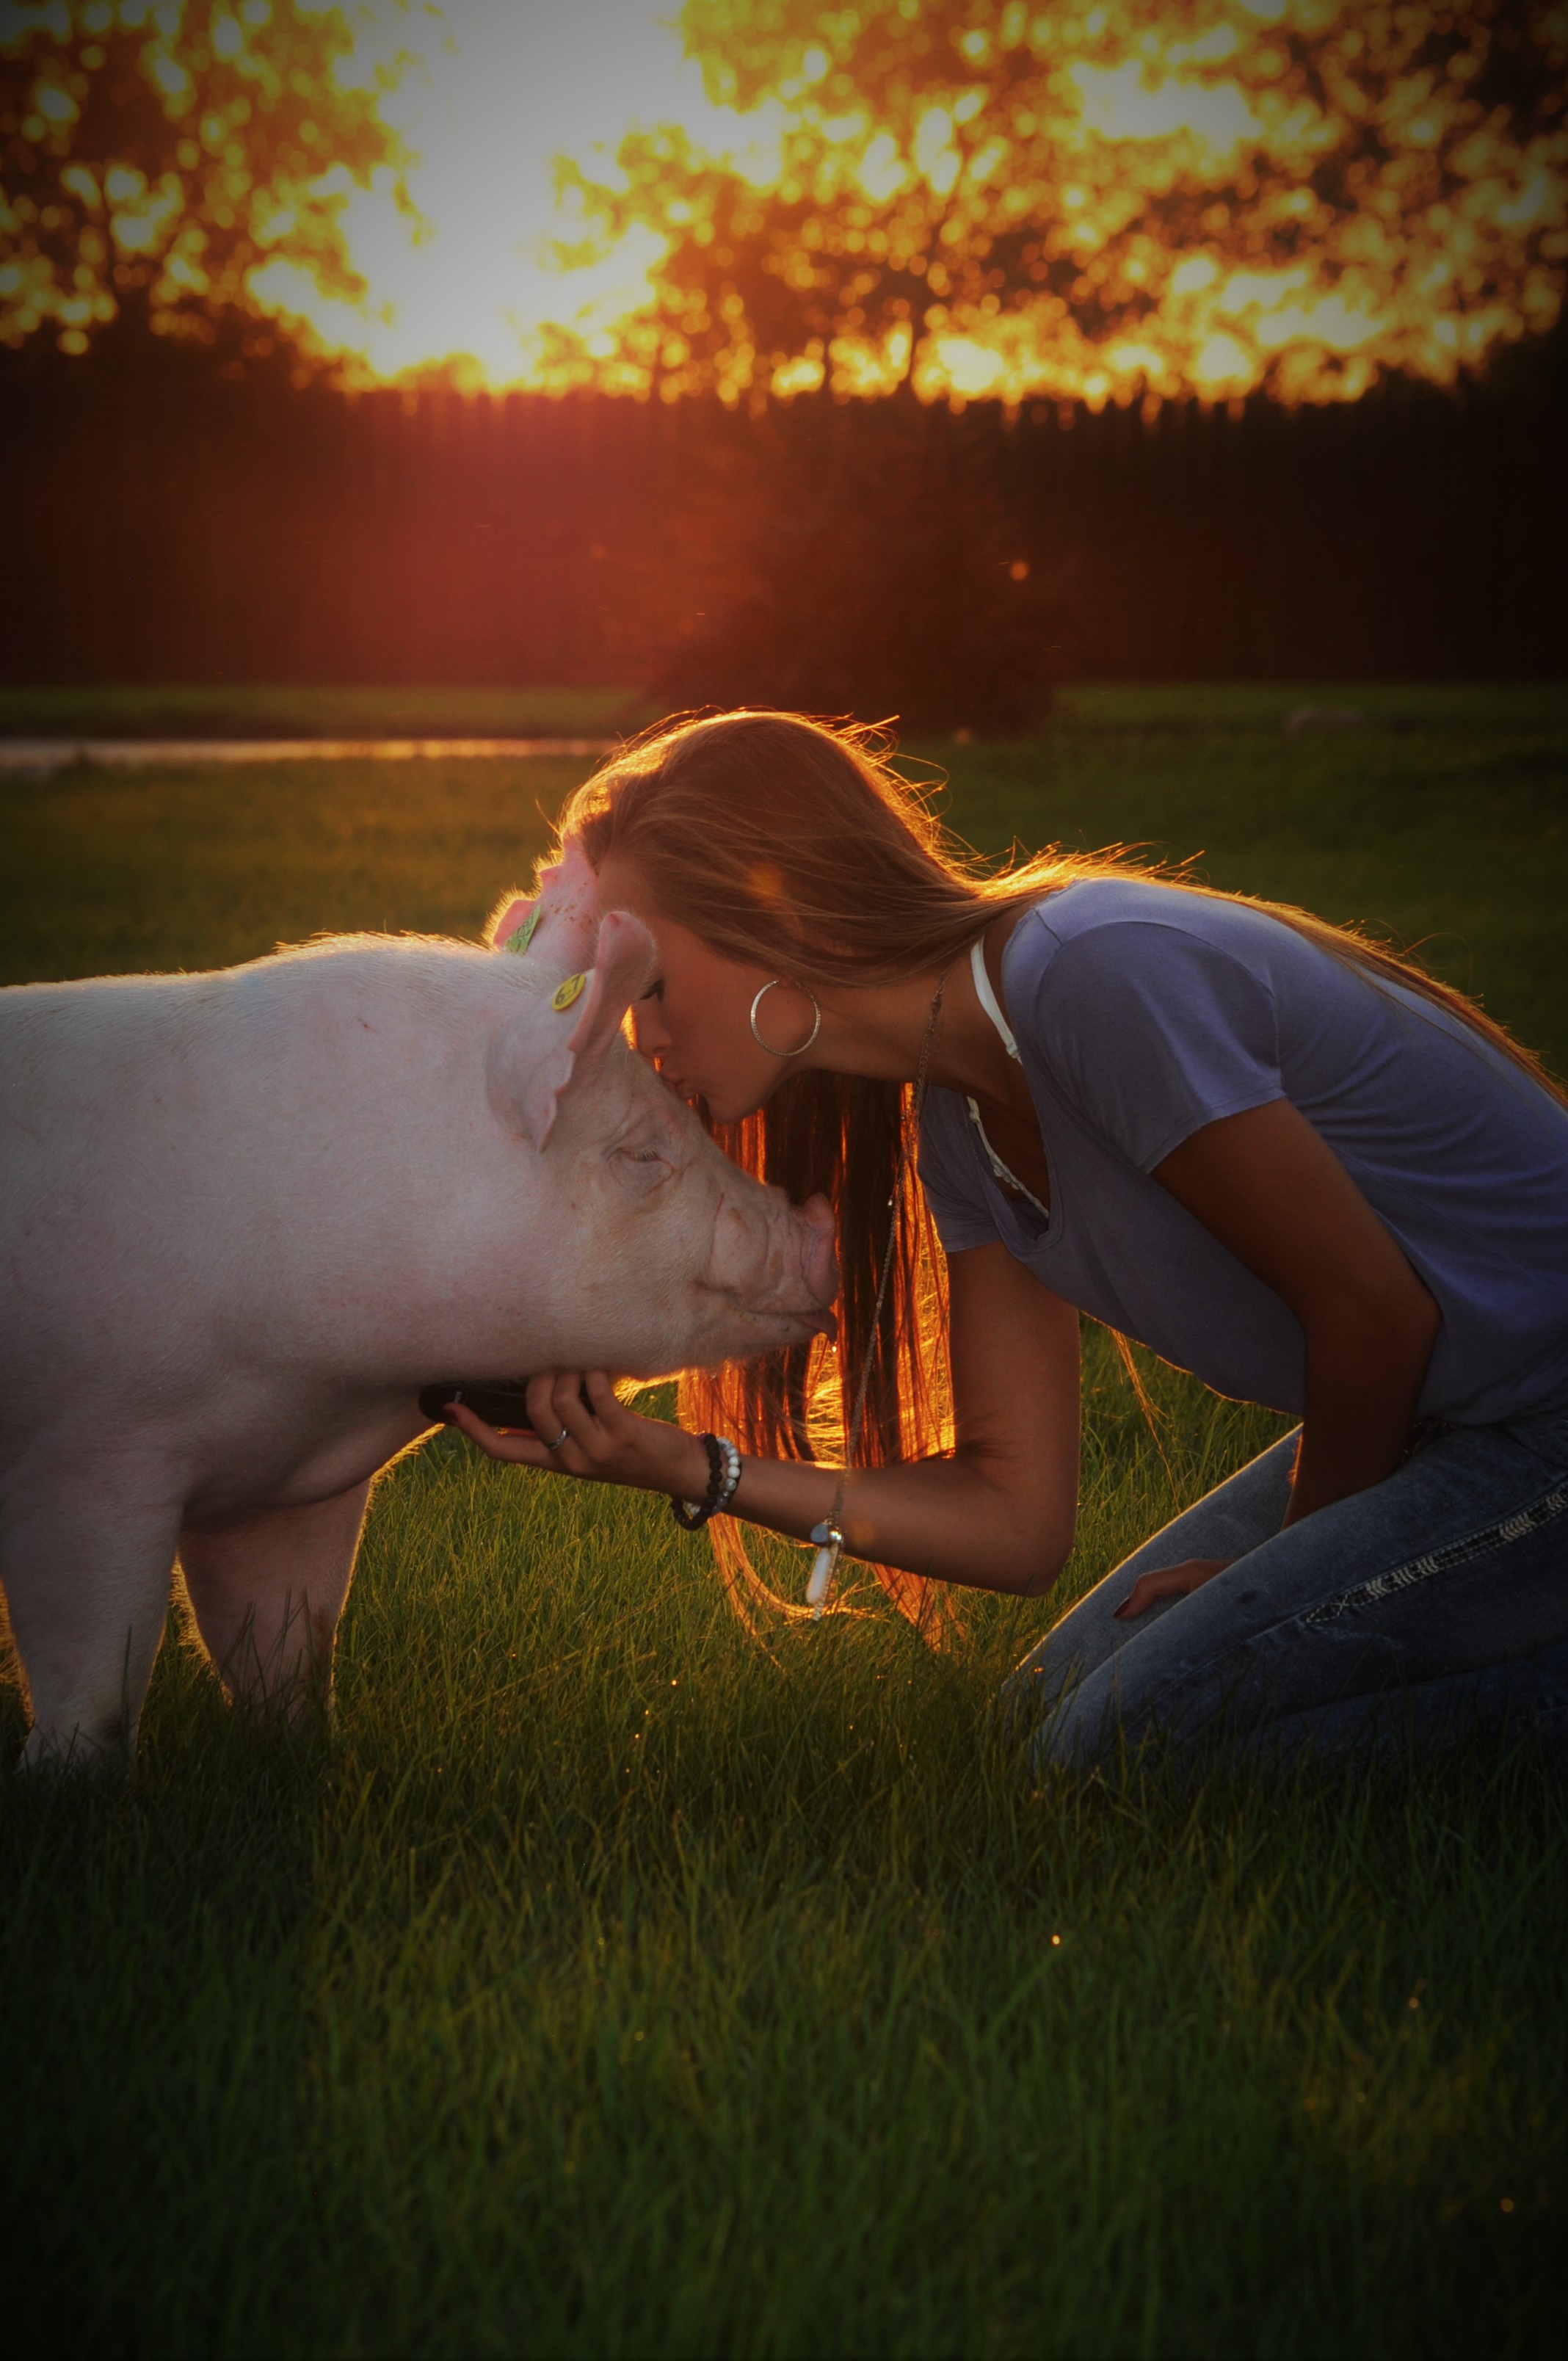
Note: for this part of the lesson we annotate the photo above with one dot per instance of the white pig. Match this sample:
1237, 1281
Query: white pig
246, 1216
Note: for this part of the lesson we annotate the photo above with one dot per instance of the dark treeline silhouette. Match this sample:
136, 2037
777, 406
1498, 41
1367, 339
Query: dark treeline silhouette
168, 519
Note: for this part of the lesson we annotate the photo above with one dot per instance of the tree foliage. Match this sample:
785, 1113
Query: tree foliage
1090, 199
877, 565
153, 157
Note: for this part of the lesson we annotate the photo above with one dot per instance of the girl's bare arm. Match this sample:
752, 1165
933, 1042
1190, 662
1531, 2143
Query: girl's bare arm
1273, 1191
997, 1515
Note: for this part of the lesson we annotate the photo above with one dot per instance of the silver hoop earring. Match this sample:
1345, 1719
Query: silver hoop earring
801, 1047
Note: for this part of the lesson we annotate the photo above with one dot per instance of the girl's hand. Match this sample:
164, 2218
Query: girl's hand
1171, 1582
600, 1438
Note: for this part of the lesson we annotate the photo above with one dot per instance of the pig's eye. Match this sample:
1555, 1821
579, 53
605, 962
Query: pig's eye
640, 1167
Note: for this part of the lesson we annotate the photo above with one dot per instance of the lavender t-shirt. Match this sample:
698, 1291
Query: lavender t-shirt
1142, 1013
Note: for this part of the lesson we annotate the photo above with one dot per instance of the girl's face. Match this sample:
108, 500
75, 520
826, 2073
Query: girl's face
694, 1022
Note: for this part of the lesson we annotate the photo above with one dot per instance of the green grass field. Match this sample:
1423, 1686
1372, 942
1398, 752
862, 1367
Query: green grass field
611, 1985
241, 711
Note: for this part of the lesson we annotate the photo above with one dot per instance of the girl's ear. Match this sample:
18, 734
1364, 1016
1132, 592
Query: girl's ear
560, 1046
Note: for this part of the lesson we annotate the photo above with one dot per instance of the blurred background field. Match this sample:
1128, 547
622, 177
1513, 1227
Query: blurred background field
613, 1983
1437, 816
216, 709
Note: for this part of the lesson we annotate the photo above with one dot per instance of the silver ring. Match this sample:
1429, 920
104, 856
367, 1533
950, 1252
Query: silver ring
564, 1437
800, 1050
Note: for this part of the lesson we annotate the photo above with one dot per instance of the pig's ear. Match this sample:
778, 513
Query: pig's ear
558, 930
530, 1075
509, 928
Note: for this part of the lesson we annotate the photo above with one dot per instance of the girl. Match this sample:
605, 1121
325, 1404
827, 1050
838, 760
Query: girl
1276, 1154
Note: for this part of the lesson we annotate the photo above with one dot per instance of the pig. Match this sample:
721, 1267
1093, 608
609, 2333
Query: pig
247, 1216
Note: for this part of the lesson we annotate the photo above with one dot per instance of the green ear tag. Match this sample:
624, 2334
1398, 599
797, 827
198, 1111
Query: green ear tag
567, 990
519, 941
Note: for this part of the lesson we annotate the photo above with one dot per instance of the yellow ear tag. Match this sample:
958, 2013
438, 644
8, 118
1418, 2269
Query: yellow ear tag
567, 990
519, 941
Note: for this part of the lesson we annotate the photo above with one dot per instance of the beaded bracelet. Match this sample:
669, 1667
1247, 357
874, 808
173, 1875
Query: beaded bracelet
723, 1476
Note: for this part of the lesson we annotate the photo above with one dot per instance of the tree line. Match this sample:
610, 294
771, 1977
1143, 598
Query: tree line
807, 510
170, 521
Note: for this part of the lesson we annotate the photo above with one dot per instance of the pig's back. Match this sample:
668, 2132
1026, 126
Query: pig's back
93, 1186
187, 1161
87, 1074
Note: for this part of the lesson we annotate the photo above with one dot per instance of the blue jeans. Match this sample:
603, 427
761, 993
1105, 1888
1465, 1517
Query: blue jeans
1432, 1605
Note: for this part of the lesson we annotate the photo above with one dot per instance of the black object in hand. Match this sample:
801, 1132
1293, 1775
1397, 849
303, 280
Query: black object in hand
498, 1404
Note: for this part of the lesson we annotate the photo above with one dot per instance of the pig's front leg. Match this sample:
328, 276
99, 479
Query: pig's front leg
267, 1594
86, 1557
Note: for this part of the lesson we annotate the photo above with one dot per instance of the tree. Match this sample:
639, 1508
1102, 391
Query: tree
871, 564
152, 157
1085, 200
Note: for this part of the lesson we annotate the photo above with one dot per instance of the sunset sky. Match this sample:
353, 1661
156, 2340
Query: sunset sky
498, 89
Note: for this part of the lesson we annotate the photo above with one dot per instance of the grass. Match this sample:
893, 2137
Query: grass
112, 870
610, 1984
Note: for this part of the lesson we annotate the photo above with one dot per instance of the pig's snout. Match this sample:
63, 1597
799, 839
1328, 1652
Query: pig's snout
777, 1261
820, 1257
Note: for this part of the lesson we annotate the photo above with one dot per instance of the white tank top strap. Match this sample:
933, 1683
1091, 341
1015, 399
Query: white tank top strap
988, 999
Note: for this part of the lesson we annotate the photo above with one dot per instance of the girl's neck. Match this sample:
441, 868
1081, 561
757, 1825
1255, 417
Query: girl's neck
877, 1030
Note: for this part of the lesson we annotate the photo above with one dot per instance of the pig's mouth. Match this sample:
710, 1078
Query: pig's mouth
812, 1324
775, 1332
783, 1320
780, 1322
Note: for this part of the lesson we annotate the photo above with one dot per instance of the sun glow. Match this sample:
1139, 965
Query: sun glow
491, 257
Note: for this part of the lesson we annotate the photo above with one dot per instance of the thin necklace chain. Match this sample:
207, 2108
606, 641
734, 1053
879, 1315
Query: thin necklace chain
832, 1529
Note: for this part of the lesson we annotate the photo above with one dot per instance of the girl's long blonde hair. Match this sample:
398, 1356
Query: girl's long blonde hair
785, 841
